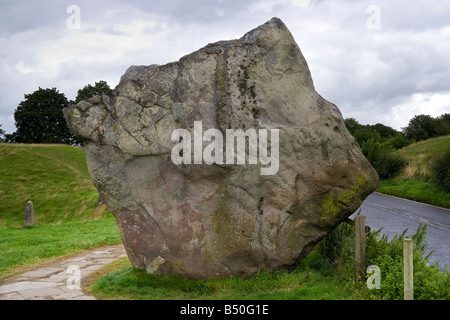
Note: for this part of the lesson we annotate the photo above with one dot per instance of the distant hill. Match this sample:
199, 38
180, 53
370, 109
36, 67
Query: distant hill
54, 177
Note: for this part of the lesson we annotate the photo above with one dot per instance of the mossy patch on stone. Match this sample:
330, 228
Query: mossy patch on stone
332, 207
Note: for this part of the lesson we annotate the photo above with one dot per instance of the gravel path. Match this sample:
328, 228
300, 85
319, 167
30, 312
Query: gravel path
60, 280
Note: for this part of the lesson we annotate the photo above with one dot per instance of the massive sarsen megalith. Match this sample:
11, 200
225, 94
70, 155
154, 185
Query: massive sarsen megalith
205, 220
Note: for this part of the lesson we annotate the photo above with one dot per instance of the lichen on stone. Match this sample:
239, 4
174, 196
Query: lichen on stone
333, 206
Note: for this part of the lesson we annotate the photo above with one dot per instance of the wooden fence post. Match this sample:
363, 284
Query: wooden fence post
408, 271
360, 246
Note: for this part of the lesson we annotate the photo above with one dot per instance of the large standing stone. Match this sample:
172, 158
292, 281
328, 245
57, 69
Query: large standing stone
220, 220
28, 218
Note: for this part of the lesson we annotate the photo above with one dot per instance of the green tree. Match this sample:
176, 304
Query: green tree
39, 119
373, 149
420, 127
383, 130
377, 144
389, 164
89, 91
442, 125
360, 132
398, 141
380, 156
2, 133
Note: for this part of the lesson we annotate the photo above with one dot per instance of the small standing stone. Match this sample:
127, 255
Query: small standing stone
28, 219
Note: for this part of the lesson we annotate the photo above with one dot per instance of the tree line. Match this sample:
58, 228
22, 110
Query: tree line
378, 143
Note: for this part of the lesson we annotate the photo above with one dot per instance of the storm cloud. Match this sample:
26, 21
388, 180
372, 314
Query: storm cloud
378, 61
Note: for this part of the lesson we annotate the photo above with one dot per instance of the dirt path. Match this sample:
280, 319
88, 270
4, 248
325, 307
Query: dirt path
60, 280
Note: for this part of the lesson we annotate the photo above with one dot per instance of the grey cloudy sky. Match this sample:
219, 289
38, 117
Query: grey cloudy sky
378, 61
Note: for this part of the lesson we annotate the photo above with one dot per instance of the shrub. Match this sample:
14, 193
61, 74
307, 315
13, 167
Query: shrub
440, 170
398, 141
429, 281
389, 165
380, 156
373, 149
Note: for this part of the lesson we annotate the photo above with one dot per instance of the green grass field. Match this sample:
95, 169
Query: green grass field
56, 179
414, 182
21, 246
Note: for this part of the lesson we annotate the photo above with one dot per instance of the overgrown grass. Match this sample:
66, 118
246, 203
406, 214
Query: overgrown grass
21, 246
420, 155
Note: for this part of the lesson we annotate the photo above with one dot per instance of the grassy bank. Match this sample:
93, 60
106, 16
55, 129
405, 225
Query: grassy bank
417, 190
415, 182
56, 179
420, 156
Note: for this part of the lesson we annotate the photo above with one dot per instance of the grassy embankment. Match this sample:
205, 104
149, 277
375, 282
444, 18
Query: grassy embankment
415, 183
56, 180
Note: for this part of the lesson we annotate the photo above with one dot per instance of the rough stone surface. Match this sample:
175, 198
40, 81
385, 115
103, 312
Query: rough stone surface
205, 221
28, 219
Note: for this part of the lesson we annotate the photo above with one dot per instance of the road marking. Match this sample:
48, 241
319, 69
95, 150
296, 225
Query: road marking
416, 202
410, 216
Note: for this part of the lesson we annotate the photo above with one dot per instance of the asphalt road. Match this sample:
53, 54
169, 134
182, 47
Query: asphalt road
394, 215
